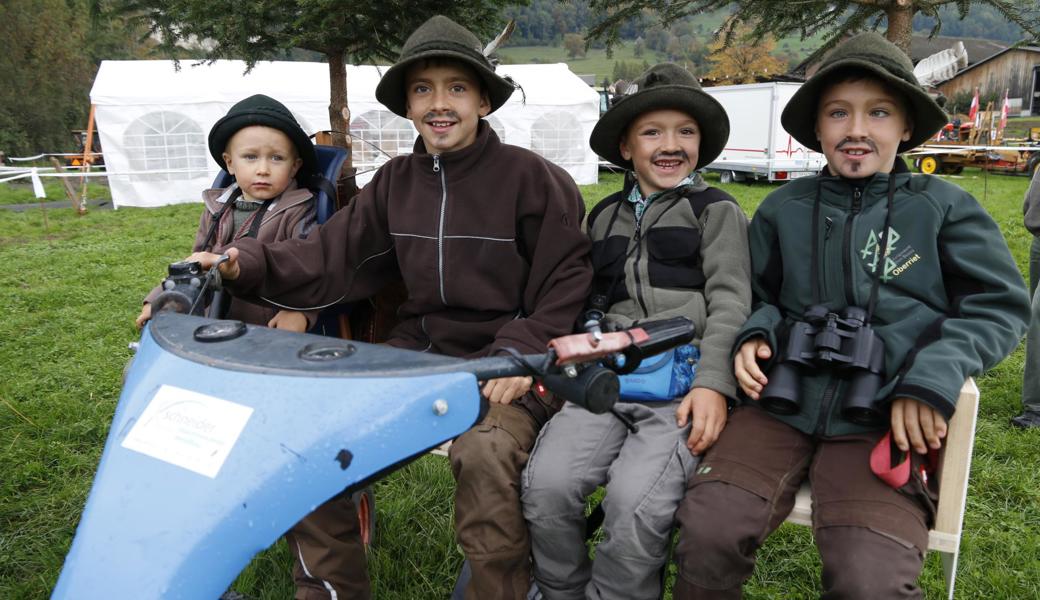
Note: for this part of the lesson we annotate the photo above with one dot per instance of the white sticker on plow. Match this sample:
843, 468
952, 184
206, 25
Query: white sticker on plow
188, 429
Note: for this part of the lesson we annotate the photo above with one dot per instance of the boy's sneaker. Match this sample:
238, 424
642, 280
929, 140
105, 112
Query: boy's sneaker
1029, 419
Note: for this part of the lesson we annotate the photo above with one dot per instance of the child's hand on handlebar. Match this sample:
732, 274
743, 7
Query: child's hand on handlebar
745, 366
506, 389
228, 269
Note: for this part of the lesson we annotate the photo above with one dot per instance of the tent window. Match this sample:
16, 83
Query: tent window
557, 136
167, 142
380, 135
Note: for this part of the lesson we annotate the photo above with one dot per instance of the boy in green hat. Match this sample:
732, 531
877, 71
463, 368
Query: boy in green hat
487, 241
666, 245
877, 294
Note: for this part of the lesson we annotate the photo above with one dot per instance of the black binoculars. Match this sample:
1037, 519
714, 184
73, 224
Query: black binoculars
827, 340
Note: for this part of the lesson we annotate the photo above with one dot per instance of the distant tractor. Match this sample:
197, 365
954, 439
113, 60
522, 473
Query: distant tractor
962, 145
92, 157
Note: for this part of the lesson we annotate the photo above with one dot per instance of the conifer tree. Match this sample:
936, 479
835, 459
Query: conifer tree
356, 31
833, 18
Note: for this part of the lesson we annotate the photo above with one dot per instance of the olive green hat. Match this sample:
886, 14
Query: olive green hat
440, 37
874, 54
663, 86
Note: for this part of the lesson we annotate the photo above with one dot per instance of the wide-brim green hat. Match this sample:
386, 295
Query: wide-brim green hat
663, 86
874, 54
440, 38
262, 110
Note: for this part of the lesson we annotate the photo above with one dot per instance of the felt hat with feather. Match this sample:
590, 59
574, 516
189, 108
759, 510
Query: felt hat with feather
440, 38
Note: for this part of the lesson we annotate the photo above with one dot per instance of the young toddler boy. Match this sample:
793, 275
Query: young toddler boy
918, 273
262, 146
666, 245
487, 241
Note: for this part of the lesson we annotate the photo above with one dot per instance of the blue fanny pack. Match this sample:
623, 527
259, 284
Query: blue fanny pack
663, 377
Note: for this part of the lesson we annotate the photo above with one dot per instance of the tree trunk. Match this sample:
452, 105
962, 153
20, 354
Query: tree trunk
338, 100
339, 120
900, 21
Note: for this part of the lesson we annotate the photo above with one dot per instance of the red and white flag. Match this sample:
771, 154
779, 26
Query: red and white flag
974, 110
1004, 110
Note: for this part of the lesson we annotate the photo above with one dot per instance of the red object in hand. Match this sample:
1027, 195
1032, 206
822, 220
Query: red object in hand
896, 476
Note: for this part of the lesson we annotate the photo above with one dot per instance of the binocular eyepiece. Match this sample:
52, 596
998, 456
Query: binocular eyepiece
826, 340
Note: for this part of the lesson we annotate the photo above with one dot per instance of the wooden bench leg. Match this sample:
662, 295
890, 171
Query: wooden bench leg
949, 563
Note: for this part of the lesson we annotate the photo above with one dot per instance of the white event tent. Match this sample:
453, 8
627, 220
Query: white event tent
153, 119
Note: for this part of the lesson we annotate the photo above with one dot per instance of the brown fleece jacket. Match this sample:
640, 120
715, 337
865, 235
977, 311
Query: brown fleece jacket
486, 240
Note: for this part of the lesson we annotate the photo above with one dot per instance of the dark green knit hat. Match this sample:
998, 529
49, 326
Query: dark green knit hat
266, 111
662, 86
440, 37
874, 54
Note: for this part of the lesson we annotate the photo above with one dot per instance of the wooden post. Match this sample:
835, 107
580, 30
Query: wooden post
88, 160
70, 192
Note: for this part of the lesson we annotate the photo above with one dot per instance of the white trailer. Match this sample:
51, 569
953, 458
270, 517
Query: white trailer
758, 146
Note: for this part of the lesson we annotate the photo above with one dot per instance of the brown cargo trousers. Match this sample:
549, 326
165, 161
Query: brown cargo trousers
487, 462
871, 537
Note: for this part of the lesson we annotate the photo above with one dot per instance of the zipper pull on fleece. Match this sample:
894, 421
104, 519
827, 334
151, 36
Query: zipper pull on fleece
436, 163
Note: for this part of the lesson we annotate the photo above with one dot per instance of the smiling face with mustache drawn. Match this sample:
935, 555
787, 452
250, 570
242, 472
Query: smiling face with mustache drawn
860, 124
663, 146
445, 103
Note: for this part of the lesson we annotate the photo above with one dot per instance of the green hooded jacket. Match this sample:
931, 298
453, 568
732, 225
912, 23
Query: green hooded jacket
951, 301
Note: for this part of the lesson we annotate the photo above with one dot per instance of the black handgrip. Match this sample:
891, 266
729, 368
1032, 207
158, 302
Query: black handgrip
596, 388
665, 335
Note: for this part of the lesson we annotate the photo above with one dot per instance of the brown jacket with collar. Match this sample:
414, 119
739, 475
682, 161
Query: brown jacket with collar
486, 240
292, 215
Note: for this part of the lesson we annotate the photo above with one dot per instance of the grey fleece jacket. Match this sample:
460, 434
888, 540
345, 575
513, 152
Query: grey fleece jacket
1031, 205
687, 257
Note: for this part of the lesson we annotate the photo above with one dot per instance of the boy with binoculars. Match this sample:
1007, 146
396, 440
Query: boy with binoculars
877, 293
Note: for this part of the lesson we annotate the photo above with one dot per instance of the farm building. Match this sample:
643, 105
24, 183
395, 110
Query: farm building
1016, 70
921, 47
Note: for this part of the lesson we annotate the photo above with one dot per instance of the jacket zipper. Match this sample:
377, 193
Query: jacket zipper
825, 407
440, 228
635, 265
846, 255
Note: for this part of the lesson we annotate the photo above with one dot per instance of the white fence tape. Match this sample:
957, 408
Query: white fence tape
37, 184
45, 155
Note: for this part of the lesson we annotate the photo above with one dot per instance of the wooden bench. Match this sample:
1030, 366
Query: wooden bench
945, 537
955, 463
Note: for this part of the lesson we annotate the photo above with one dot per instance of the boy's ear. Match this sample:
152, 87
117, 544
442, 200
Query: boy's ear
623, 147
908, 130
485, 104
227, 161
296, 166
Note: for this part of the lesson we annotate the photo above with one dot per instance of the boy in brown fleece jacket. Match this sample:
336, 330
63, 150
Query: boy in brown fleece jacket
486, 238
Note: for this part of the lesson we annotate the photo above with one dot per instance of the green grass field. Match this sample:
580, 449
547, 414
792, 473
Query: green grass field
70, 287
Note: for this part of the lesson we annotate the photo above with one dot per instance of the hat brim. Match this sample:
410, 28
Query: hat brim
799, 116
227, 126
706, 110
390, 90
